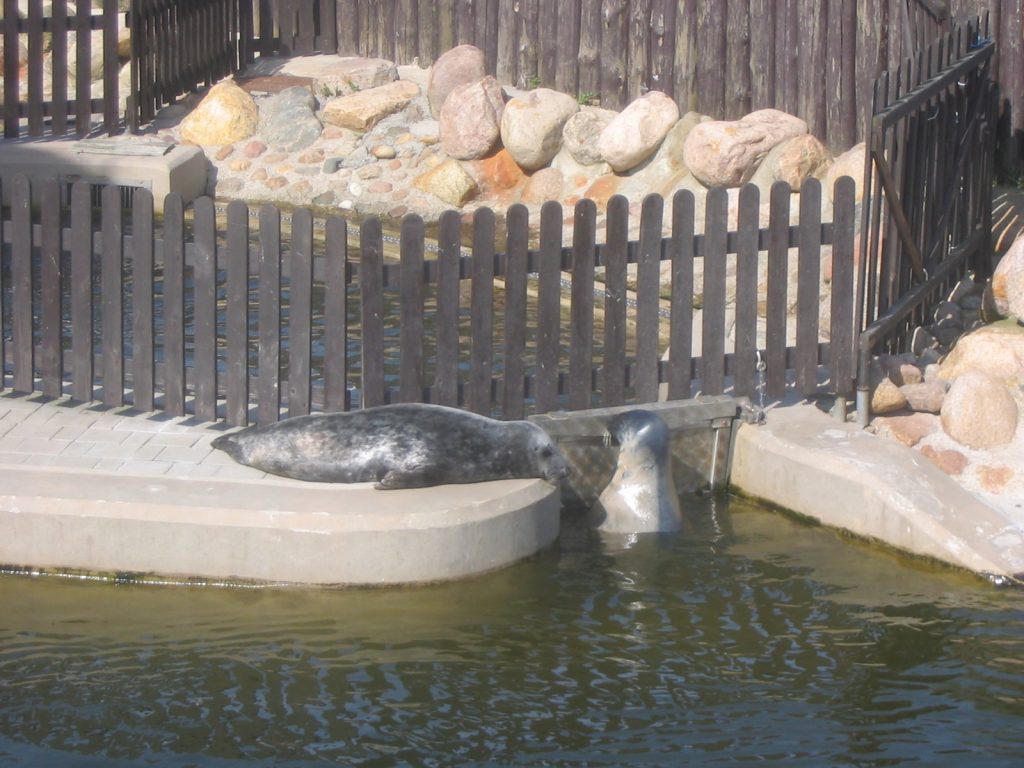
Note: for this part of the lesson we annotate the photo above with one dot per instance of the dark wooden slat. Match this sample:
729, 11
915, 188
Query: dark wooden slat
50, 276
481, 312
517, 243
612, 39
236, 322
686, 55
713, 304
581, 323
710, 77
10, 72
446, 377
112, 297
762, 53
808, 281
411, 378
590, 50
348, 27
681, 331
21, 284
427, 32
547, 31
638, 63
648, 283
300, 314
746, 292
775, 314
507, 61
111, 114
663, 45
528, 65
548, 306
613, 381
371, 294
204, 302
566, 73
336, 316
142, 256
174, 305
35, 67
268, 387
738, 55
3, 294
82, 360
842, 331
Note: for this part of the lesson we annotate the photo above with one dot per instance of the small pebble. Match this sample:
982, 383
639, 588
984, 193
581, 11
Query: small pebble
240, 164
277, 182
225, 152
254, 149
379, 187
383, 152
260, 174
369, 172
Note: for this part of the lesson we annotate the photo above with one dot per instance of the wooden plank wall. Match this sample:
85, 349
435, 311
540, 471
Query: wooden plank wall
318, 316
813, 58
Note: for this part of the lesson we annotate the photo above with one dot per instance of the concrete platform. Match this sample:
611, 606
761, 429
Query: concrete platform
108, 491
833, 472
182, 169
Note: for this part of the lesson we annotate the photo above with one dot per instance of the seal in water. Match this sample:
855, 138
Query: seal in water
641, 496
398, 446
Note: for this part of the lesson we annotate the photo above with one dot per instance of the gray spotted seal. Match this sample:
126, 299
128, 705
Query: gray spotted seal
398, 446
641, 496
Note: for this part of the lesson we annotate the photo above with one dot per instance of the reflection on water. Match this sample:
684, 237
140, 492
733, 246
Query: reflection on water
756, 638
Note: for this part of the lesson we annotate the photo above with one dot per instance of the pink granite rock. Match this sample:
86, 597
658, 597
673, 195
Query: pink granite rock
949, 461
470, 122
979, 412
545, 184
723, 153
1008, 281
462, 64
636, 132
909, 430
531, 126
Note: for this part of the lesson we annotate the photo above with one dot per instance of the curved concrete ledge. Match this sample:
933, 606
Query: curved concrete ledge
807, 462
269, 529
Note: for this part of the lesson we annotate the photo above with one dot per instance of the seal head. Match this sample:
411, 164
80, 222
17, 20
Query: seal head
398, 446
641, 496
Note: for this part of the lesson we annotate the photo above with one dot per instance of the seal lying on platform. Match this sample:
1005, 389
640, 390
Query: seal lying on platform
398, 446
641, 496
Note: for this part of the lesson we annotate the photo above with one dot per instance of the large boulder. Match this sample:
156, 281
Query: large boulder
227, 114
497, 173
470, 123
582, 132
850, 163
792, 161
545, 184
362, 110
531, 126
449, 182
1008, 281
462, 64
996, 350
635, 133
336, 75
287, 119
722, 153
979, 412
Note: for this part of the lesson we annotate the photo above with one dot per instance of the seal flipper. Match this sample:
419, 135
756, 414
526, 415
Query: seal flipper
395, 479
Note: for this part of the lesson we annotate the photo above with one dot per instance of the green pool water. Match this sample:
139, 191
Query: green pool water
753, 639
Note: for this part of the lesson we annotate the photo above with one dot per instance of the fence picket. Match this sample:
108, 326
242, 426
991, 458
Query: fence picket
21, 284
613, 380
82, 361
581, 322
112, 297
204, 307
648, 300
174, 304
12, 80
300, 313
841, 334
517, 244
809, 276
713, 297
681, 324
336, 316
236, 321
549, 320
371, 315
50, 276
268, 387
446, 376
142, 255
411, 378
746, 291
35, 67
777, 305
481, 313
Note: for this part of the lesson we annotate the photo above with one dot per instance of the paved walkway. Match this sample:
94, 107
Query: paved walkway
121, 441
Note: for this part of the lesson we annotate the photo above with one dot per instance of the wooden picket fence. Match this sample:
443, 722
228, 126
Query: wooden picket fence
218, 321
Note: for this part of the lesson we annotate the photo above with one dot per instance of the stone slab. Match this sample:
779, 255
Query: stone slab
183, 169
833, 472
